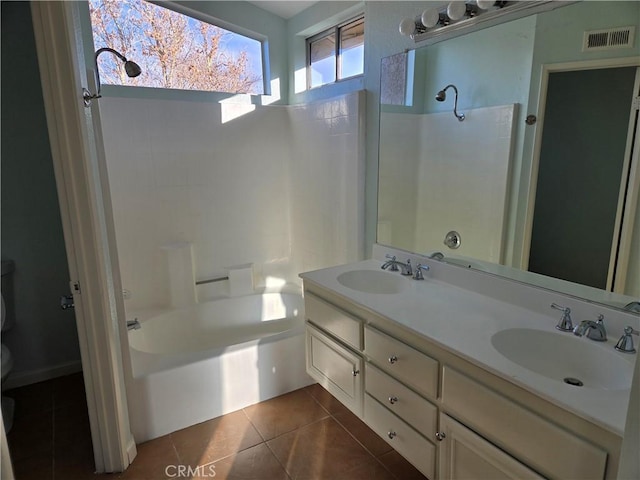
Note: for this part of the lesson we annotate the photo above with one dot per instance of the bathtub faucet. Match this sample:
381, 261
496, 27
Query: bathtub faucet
133, 324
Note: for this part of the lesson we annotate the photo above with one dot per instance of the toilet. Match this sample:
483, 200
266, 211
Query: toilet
8, 404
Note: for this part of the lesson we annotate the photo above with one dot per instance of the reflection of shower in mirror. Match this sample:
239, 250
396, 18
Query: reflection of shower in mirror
442, 96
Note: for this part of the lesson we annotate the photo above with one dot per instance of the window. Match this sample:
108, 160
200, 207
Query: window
336, 54
174, 50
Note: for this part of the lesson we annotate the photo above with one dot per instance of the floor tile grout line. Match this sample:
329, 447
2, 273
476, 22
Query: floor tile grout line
278, 460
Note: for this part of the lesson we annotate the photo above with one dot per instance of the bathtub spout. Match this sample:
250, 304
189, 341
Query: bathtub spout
133, 324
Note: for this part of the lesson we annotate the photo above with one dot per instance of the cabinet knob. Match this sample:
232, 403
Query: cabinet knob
391, 434
355, 373
393, 359
440, 436
393, 400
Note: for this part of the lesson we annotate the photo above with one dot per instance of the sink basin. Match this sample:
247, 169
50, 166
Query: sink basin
373, 281
576, 361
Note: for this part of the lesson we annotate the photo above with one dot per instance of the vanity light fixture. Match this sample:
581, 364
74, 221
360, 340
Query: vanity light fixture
469, 15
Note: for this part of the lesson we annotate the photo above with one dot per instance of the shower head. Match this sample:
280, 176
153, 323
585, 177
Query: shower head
131, 68
441, 96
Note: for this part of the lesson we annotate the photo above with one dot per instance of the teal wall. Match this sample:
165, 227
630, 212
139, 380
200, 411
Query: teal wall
44, 336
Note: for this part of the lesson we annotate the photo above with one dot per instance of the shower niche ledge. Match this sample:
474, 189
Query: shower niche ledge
440, 405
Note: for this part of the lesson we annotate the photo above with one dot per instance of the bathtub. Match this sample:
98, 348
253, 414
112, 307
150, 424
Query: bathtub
192, 364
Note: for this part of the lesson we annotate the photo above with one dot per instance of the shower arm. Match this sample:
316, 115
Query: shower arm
86, 94
459, 116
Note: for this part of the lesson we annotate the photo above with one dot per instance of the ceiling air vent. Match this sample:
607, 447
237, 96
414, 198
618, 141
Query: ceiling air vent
611, 38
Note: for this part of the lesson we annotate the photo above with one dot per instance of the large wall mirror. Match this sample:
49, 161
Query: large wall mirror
539, 182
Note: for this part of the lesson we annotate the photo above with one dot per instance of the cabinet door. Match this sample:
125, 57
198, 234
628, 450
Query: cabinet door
464, 455
335, 368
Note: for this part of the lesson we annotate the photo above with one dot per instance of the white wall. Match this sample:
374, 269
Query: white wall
241, 183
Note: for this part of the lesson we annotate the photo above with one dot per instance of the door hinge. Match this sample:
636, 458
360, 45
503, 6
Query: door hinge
635, 104
75, 287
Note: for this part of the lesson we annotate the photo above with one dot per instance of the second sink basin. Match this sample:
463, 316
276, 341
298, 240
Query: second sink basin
565, 357
372, 281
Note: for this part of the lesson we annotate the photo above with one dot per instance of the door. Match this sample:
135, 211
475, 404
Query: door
584, 170
466, 455
88, 229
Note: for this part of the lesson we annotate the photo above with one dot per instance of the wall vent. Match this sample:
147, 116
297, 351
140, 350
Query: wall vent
609, 39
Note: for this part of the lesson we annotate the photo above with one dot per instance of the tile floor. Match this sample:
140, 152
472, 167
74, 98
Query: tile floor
305, 434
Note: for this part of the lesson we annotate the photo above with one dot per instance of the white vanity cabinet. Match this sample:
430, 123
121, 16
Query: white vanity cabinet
332, 339
465, 455
449, 417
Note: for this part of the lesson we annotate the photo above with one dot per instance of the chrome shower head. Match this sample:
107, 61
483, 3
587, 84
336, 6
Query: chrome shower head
442, 96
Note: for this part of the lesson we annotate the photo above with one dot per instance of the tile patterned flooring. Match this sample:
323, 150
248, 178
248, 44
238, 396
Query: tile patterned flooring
305, 434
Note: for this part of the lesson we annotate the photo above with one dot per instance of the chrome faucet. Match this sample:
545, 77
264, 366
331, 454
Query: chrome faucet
133, 324
393, 265
594, 330
437, 256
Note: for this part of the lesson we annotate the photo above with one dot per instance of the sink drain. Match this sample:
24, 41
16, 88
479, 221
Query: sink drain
573, 381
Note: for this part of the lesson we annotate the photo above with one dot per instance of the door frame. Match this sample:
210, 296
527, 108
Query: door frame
634, 183
88, 230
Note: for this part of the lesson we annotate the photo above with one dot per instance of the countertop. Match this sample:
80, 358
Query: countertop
463, 322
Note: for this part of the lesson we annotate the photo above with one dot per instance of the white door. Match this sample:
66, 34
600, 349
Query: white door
88, 229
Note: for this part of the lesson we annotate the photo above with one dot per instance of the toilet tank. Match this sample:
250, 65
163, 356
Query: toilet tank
7, 293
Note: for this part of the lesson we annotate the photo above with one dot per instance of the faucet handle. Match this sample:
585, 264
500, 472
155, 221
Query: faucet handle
625, 344
565, 324
419, 268
392, 258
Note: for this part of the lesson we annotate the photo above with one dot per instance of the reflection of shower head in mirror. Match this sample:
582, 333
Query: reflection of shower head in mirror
442, 96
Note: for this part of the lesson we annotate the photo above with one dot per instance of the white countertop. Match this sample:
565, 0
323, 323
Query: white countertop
463, 322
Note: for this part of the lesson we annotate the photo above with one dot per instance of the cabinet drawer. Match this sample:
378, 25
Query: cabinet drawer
335, 368
402, 361
404, 439
542, 445
333, 320
408, 405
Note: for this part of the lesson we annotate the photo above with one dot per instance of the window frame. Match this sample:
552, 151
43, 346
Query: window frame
335, 31
216, 22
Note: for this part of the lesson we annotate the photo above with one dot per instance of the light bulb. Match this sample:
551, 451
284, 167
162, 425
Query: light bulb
456, 10
485, 4
430, 17
407, 27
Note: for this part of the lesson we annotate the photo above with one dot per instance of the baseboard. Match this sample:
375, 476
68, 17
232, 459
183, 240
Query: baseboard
20, 379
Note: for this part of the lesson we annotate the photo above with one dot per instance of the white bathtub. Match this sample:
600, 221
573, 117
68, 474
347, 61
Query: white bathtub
193, 364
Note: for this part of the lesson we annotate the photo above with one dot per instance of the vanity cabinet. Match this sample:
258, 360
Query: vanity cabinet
465, 455
333, 338
450, 418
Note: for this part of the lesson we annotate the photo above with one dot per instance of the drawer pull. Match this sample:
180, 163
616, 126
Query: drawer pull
440, 436
391, 434
393, 400
393, 359
355, 373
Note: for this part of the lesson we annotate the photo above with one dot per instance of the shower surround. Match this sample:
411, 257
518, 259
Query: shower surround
281, 187
202, 190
